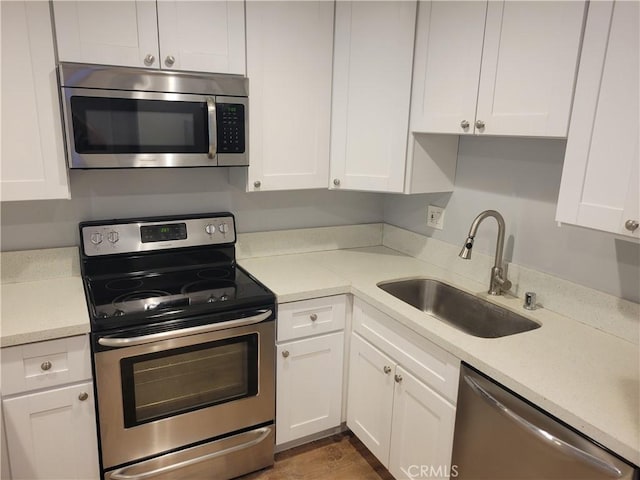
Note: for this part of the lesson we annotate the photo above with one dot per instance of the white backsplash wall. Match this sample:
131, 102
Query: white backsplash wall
521, 178
103, 194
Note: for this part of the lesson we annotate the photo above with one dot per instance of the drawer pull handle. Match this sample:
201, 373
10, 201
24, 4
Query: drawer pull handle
386, 369
398, 378
313, 317
285, 354
83, 396
46, 366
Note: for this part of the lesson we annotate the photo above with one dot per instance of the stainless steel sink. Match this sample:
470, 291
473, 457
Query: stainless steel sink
461, 310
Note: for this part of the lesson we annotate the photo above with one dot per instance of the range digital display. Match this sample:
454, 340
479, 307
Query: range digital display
163, 233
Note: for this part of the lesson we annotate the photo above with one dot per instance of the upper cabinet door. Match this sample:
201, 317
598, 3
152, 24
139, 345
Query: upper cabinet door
33, 161
447, 66
289, 63
106, 32
600, 177
529, 64
204, 36
373, 59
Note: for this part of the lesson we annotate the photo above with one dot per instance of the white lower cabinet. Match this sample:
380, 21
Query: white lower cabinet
309, 367
48, 410
401, 396
52, 434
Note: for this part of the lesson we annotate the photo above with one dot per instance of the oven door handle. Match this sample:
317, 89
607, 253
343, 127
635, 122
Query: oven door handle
154, 337
121, 474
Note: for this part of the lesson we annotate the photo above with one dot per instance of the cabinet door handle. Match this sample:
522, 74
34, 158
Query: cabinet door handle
397, 378
336, 182
631, 225
149, 59
169, 61
257, 184
285, 354
46, 365
386, 369
313, 317
479, 124
464, 124
83, 396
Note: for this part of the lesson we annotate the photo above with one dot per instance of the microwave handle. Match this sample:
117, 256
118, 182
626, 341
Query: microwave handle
213, 128
155, 337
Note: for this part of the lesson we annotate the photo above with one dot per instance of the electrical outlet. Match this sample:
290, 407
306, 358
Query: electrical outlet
435, 217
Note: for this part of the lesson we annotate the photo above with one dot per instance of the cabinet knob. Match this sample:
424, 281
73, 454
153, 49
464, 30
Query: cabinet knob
83, 396
386, 369
257, 183
285, 354
464, 124
398, 378
313, 317
479, 124
169, 61
149, 59
46, 366
631, 225
336, 182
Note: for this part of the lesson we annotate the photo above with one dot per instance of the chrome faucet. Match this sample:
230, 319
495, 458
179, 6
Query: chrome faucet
499, 282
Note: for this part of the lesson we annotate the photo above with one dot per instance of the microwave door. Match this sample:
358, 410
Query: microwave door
109, 129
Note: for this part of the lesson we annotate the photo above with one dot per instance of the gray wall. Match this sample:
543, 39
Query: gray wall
521, 178
518, 177
98, 195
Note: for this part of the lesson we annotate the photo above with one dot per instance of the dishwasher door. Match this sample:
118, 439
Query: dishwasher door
500, 436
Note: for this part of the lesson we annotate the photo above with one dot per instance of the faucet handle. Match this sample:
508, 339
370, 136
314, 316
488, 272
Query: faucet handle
529, 301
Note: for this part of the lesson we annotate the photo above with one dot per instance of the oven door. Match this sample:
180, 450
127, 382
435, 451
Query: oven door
170, 393
126, 129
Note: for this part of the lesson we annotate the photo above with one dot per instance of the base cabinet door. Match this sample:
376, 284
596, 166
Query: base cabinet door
370, 399
422, 430
309, 386
52, 434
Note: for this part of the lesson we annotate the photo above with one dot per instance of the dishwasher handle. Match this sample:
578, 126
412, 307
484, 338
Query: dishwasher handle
211, 327
543, 434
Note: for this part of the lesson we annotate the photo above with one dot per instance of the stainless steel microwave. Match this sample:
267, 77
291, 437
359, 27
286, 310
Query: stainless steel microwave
119, 117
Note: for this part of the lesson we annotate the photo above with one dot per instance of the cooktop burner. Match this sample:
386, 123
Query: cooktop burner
140, 282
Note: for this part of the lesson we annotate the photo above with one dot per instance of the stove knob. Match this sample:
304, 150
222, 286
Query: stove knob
224, 228
113, 236
118, 313
96, 238
212, 299
224, 297
210, 229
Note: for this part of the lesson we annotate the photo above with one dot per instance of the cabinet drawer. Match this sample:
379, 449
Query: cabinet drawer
430, 363
45, 364
311, 317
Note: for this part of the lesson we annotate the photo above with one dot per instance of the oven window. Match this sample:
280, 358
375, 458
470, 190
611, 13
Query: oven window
167, 383
124, 125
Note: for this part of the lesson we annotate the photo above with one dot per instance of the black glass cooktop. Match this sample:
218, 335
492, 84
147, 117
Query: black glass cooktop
136, 290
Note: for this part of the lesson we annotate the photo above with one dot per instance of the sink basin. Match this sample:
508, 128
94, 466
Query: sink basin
461, 310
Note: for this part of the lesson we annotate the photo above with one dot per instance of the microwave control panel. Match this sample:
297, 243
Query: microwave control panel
230, 121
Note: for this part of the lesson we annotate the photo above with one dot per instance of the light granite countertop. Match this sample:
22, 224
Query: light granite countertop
584, 376
42, 296
588, 378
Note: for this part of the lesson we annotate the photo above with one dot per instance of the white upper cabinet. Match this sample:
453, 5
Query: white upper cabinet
497, 67
289, 62
33, 161
373, 59
205, 36
600, 177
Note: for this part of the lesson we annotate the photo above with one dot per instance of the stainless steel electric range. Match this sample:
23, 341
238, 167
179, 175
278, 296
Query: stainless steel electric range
183, 344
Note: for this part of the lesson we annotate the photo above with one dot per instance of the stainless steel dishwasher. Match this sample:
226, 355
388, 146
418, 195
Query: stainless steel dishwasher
498, 435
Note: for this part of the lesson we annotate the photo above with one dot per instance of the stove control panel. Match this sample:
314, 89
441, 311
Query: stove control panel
167, 233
